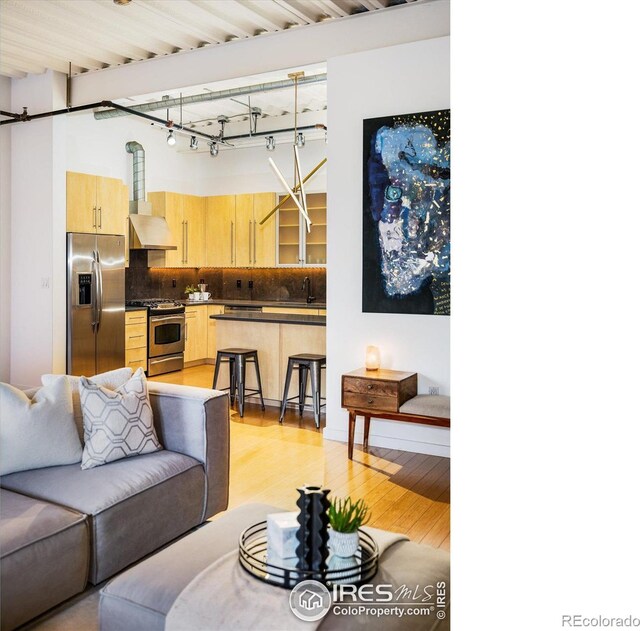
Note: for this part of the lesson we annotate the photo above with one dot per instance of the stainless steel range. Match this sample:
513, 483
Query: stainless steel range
166, 334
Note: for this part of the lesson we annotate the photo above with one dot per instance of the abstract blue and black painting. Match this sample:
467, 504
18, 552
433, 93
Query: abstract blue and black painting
406, 218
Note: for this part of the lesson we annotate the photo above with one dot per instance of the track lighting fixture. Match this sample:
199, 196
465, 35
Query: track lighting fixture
300, 140
213, 149
171, 139
271, 143
193, 144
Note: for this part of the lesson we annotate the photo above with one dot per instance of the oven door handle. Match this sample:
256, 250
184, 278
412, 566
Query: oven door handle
153, 360
178, 318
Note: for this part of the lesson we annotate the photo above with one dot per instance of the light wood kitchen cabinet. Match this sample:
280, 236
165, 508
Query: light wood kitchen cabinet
212, 346
193, 214
96, 204
185, 215
234, 236
135, 335
220, 227
264, 237
195, 333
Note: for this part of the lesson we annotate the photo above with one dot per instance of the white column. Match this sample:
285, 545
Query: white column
38, 224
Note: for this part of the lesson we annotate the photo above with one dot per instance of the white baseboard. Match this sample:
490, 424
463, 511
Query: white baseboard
420, 447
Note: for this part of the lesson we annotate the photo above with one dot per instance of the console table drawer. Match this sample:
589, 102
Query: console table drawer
369, 402
370, 386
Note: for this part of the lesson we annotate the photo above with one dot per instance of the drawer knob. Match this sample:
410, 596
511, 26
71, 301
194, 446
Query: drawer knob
369, 386
369, 401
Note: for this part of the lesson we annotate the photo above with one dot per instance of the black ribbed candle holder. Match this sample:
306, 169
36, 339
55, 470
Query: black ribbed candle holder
313, 534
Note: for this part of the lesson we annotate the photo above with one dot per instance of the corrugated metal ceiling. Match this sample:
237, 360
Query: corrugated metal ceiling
37, 35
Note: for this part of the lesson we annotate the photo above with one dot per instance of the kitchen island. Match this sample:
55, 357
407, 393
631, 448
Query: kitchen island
275, 337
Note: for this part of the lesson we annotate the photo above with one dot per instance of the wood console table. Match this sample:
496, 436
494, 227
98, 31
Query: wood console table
381, 393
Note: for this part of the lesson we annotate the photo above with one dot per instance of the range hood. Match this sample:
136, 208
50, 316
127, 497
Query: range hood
146, 232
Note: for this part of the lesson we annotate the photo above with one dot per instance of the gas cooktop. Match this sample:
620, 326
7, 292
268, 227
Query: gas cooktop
154, 303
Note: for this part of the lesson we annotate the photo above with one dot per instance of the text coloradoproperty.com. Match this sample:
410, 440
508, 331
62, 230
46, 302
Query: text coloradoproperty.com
577, 621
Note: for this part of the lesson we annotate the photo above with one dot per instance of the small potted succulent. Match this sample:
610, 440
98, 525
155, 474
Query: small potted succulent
345, 517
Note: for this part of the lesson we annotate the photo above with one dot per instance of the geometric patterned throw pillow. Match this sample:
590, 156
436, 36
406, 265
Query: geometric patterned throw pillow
117, 424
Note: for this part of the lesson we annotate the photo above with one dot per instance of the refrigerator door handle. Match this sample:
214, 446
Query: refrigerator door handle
94, 292
98, 290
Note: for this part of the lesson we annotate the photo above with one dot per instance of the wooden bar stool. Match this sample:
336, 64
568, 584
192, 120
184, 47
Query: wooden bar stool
305, 363
237, 358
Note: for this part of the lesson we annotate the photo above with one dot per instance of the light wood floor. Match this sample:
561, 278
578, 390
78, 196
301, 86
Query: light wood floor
406, 492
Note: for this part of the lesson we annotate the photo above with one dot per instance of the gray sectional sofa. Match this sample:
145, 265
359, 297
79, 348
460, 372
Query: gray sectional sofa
63, 526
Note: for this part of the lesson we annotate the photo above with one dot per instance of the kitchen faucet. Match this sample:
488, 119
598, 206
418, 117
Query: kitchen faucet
306, 284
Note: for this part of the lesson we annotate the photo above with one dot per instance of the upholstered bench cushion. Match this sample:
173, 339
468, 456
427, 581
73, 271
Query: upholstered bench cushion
45, 556
134, 505
428, 405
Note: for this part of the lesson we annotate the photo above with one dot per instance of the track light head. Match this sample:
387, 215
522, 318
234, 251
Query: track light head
213, 149
193, 143
271, 143
300, 140
171, 139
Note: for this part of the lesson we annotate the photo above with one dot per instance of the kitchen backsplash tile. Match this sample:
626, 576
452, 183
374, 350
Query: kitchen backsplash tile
274, 283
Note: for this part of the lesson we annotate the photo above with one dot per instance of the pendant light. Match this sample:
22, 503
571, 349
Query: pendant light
297, 192
171, 139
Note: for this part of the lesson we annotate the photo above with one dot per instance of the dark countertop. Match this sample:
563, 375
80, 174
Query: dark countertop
257, 303
273, 318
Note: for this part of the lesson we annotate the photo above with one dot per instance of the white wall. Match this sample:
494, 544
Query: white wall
5, 234
396, 80
37, 231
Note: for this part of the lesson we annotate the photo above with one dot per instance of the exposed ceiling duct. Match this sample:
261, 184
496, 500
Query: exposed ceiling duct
210, 96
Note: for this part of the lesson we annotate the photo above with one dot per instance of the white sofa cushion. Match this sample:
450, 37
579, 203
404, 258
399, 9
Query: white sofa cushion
117, 424
38, 431
112, 379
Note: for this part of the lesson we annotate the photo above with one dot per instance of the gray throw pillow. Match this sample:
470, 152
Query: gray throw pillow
117, 424
112, 380
37, 431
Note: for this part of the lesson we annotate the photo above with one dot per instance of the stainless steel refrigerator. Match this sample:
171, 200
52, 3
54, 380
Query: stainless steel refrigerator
95, 303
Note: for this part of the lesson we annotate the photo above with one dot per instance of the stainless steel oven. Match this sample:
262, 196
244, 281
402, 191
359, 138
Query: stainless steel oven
166, 335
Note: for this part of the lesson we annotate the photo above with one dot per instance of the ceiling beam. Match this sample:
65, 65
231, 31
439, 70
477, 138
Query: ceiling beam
192, 22
301, 14
21, 64
333, 8
253, 13
224, 21
51, 24
52, 52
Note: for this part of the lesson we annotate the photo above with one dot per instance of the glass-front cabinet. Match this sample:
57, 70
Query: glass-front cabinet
296, 246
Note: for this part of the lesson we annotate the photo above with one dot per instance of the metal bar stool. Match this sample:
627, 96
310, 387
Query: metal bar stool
305, 363
237, 358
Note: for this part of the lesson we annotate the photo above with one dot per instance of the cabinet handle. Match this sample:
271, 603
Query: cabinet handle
95, 219
232, 242
184, 245
186, 240
250, 250
369, 386
186, 331
369, 401
255, 247
100, 217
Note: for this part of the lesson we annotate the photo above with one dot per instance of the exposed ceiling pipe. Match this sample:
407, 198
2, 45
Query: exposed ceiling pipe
210, 96
138, 169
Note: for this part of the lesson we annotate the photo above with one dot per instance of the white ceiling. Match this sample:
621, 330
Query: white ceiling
37, 35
